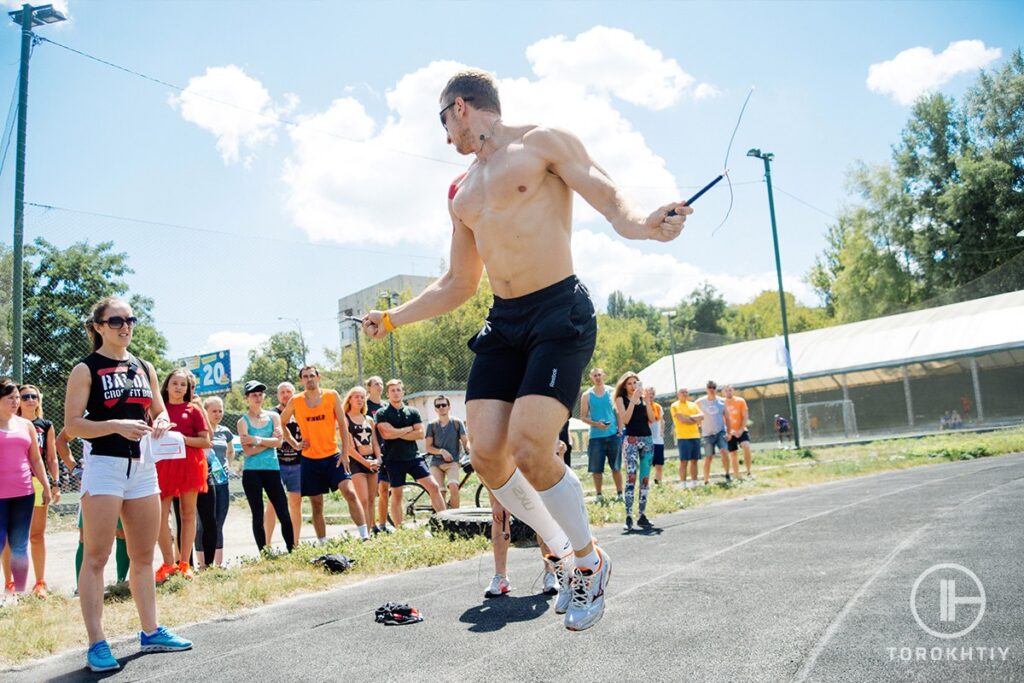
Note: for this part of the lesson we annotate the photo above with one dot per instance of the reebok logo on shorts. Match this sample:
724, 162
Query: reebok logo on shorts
554, 376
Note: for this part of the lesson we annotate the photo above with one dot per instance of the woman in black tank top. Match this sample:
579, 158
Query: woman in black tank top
363, 451
636, 414
116, 389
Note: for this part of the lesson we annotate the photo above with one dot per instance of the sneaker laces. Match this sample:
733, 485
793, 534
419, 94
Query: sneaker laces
101, 649
581, 587
561, 574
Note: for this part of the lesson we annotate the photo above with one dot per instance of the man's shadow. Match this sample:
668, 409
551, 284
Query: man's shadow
494, 613
640, 531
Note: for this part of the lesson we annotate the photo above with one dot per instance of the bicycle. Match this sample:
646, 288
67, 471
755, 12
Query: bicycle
415, 498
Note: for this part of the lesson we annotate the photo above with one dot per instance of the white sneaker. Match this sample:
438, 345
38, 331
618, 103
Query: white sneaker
587, 605
563, 577
499, 586
550, 583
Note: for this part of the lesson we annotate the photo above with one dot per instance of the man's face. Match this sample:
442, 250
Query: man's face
375, 388
597, 377
285, 393
395, 393
458, 134
727, 391
310, 380
683, 395
712, 392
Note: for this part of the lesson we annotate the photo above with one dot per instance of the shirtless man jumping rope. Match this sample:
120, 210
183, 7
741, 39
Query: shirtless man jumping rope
512, 212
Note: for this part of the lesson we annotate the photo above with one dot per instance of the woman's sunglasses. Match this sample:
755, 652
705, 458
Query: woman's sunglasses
30, 397
116, 322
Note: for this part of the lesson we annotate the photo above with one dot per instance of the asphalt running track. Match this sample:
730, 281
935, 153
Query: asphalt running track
808, 584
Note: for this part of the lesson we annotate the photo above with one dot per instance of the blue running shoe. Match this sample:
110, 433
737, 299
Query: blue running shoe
100, 659
163, 641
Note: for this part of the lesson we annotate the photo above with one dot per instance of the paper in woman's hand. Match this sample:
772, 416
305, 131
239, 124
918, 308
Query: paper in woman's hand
170, 446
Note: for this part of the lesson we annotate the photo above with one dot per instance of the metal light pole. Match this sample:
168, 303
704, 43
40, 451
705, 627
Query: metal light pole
27, 17
672, 348
767, 157
302, 338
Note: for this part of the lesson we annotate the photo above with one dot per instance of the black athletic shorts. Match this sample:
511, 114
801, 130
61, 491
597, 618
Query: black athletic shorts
537, 344
735, 441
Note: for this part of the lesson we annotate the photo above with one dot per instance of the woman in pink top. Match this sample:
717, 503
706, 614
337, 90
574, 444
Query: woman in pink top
19, 460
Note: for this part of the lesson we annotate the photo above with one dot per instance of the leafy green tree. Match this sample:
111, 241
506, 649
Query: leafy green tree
276, 360
939, 223
761, 317
61, 285
623, 344
6, 284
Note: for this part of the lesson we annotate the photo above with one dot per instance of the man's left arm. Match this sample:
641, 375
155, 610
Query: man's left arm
416, 429
569, 159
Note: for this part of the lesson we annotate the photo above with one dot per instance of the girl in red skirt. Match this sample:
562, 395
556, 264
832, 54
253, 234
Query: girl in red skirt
182, 478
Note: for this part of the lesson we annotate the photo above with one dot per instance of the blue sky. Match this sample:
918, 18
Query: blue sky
297, 216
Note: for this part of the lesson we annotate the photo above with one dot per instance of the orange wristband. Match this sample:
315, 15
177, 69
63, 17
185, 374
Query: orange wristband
385, 320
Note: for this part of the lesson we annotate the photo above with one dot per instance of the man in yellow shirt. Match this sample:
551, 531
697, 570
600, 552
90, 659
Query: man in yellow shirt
736, 417
686, 417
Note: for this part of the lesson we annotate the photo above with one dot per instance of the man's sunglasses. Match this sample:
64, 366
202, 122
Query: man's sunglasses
30, 397
442, 113
116, 322
440, 405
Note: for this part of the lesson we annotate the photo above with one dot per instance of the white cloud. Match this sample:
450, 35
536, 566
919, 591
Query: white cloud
705, 91
235, 108
918, 70
661, 279
239, 344
387, 186
610, 60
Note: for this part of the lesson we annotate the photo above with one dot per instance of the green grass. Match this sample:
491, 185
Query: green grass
32, 629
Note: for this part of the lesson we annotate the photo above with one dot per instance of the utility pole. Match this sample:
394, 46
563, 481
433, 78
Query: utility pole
767, 157
27, 17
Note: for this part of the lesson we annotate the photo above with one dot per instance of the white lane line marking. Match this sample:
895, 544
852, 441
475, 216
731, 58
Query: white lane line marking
812, 658
617, 596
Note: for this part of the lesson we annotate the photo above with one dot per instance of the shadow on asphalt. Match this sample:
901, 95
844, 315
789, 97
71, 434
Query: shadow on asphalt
84, 674
495, 613
640, 531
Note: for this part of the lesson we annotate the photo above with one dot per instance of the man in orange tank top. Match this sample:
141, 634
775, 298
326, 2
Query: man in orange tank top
324, 465
736, 418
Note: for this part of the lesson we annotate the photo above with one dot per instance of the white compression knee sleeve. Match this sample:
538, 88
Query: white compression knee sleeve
522, 500
564, 501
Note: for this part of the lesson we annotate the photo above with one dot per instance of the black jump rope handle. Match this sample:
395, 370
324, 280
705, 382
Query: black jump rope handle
700, 193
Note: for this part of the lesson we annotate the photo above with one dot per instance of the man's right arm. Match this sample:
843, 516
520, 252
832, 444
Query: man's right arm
446, 293
571, 162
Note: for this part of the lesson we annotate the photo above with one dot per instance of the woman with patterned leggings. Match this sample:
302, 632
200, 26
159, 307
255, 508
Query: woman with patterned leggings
635, 417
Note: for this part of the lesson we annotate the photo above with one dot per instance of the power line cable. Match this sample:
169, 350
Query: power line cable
227, 233
271, 117
292, 122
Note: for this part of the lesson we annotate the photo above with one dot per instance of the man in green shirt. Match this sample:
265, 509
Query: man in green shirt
401, 426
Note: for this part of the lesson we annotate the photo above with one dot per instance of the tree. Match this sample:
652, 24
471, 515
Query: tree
276, 360
939, 223
762, 317
6, 307
623, 344
61, 285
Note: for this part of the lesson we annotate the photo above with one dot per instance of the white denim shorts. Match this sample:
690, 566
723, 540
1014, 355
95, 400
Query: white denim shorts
105, 475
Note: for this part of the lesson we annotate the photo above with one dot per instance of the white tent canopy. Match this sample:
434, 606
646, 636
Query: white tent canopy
866, 352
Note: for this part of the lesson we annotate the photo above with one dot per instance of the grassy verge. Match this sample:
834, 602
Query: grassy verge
32, 629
